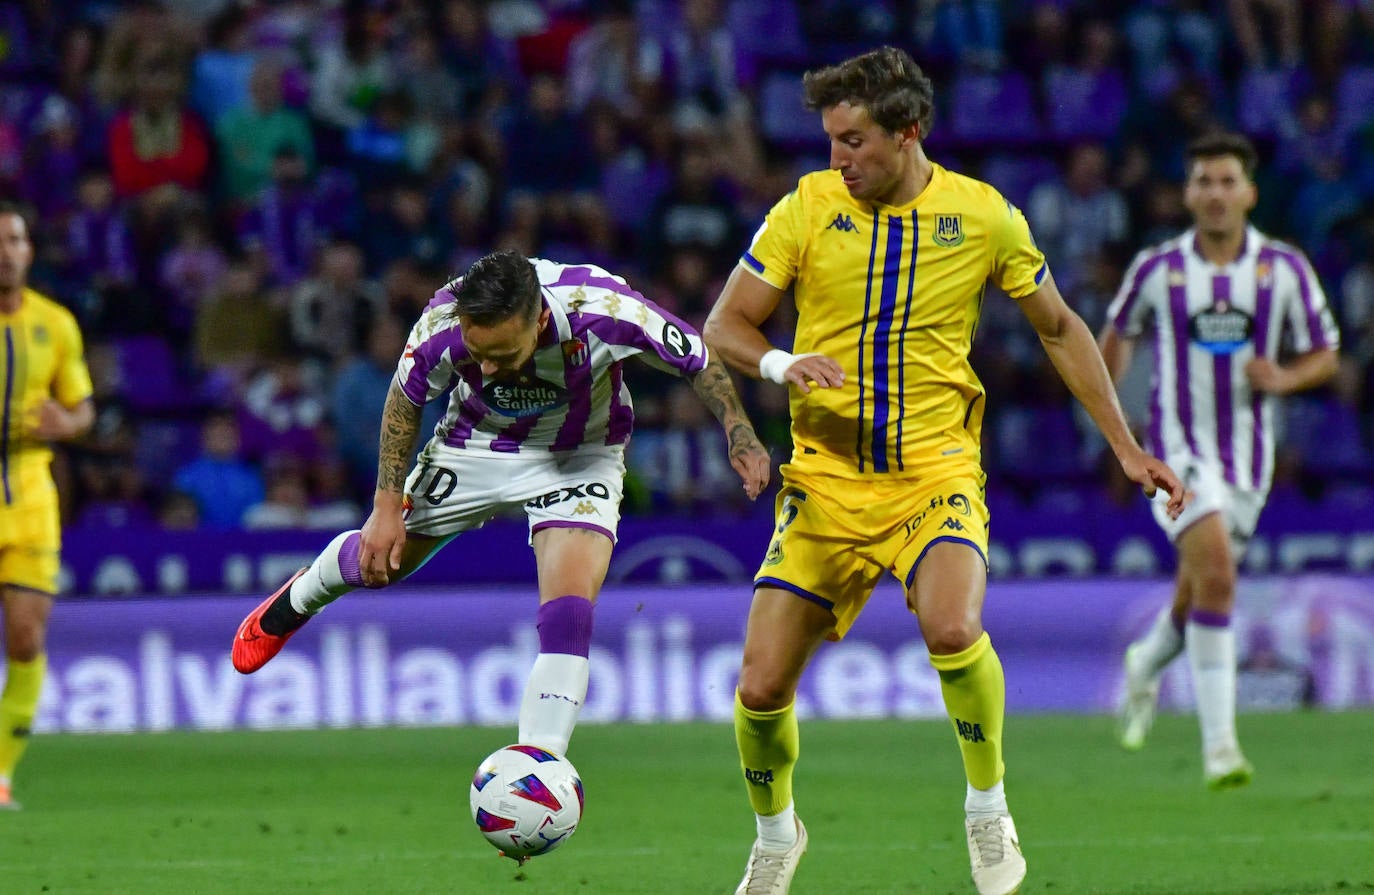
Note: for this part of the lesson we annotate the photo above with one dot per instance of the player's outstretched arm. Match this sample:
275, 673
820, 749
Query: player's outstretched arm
733, 332
384, 533
1074, 353
747, 455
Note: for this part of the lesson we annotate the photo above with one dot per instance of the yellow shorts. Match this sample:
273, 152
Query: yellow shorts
836, 537
30, 543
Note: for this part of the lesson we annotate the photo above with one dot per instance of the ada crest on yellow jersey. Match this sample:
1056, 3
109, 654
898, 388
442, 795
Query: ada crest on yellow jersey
949, 230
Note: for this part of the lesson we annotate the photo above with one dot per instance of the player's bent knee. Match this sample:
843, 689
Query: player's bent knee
950, 637
759, 693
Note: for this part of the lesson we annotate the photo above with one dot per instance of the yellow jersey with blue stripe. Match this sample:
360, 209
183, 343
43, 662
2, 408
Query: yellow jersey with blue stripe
41, 357
893, 294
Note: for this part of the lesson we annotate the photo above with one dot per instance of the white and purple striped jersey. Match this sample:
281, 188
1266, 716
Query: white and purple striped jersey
1209, 321
573, 391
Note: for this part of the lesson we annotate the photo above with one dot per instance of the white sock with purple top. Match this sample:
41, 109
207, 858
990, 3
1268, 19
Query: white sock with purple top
335, 572
557, 684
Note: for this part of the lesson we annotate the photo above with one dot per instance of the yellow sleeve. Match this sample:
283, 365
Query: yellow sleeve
1018, 266
775, 251
72, 384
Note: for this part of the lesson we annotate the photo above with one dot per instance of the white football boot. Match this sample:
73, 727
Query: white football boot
994, 853
1137, 710
770, 873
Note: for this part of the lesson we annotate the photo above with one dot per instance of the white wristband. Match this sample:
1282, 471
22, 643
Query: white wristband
775, 363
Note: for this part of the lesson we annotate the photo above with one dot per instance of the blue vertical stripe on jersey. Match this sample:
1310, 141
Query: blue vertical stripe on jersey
5, 417
882, 349
901, 338
863, 336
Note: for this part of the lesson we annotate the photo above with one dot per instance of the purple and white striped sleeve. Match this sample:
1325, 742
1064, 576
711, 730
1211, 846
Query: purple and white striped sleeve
1130, 309
1311, 324
426, 366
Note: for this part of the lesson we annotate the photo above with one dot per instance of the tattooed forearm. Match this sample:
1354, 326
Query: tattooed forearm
717, 391
400, 427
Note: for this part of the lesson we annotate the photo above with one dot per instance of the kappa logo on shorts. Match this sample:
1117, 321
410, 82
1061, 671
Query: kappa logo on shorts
952, 524
570, 492
585, 508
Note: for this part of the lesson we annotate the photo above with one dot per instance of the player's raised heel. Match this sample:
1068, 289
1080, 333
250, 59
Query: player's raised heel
994, 853
254, 647
7, 802
770, 873
1227, 769
1137, 711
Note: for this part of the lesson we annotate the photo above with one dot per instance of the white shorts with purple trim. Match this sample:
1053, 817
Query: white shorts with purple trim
452, 490
1239, 507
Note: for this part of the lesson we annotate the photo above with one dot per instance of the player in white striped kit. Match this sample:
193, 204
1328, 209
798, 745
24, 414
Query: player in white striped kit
537, 419
1226, 303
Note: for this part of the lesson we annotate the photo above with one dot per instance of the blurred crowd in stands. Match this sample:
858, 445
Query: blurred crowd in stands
248, 203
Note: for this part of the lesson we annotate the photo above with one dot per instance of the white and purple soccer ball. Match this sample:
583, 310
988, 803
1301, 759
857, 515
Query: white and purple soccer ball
526, 800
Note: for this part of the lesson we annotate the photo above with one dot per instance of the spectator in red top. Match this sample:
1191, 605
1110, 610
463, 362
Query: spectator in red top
157, 141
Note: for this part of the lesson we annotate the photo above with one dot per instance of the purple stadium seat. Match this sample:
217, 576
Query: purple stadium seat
993, 108
163, 446
149, 378
1263, 99
1084, 105
1327, 434
1015, 175
782, 117
1355, 99
768, 30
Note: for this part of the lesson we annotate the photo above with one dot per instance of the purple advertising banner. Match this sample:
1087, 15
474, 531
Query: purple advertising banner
1077, 534
422, 657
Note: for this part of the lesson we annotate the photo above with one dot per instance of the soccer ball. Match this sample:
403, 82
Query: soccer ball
526, 800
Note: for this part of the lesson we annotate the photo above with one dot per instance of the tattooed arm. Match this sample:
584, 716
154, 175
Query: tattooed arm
384, 534
747, 455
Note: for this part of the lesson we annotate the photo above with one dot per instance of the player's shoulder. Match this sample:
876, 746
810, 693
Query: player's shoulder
583, 287
43, 307
1287, 251
976, 201
1156, 251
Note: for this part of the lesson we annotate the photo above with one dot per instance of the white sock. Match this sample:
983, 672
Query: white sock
1212, 655
323, 582
1161, 645
554, 694
984, 803
777, 832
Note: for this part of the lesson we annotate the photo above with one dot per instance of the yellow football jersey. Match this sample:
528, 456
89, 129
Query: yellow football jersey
42, 357
893, 294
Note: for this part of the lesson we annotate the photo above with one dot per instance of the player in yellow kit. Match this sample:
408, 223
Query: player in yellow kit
45, 397
887, 255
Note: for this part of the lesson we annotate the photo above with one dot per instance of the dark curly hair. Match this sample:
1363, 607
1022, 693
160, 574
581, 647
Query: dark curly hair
886, 81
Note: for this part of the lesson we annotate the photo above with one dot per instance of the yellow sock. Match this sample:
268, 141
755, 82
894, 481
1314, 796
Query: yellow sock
975, 698
18, 704
769, 744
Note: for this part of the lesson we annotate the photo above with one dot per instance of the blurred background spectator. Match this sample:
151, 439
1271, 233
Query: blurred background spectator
248, 203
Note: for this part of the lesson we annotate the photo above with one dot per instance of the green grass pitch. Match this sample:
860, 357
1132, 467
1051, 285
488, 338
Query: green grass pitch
385, 811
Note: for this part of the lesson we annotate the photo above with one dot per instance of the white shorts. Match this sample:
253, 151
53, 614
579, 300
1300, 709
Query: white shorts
1239, 507
452, 490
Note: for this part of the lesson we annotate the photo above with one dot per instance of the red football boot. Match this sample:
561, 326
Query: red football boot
254, 647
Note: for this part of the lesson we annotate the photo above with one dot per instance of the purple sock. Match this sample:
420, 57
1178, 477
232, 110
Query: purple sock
349, 566
1210, 619
565, 626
